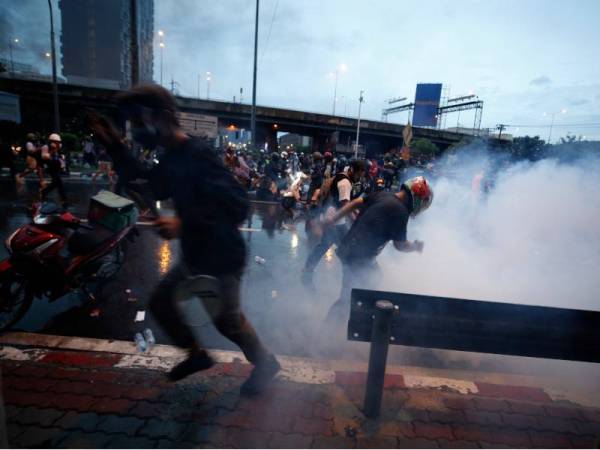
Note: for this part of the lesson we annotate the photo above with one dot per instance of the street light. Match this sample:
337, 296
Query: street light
161, 44
12, 40
207, 85
562, 111
360, 100
342, 67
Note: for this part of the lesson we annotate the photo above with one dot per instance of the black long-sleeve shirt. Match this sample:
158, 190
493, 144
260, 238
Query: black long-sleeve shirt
209, 201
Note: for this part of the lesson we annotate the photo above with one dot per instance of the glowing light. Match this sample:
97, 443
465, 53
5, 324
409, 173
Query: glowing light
343, 67
329, 255
162, 45
164, 257
48, 55
294, 241
564, 111
157, 205
161, 33
17, 40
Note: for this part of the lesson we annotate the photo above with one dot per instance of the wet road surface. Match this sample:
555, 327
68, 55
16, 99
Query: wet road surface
288, 318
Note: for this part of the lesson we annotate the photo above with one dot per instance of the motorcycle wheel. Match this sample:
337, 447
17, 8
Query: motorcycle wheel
111, 263
15, 300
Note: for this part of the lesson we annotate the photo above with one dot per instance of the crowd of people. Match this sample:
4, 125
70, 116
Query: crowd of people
357, 204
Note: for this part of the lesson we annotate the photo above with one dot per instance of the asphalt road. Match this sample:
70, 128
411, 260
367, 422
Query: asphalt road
288, 318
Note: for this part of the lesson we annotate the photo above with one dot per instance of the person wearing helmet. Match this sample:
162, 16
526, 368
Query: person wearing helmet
383, 217
334, 194
55, 165
33, 160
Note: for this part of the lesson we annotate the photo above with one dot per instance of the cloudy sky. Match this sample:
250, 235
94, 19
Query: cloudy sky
522, 58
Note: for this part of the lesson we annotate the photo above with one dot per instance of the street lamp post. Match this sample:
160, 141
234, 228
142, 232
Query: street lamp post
207, 85
562, 111
341, 67
10, 48
54, 82
253, 115
360, 100
161, 44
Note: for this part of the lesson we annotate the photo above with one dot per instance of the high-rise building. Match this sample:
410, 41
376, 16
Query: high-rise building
96, 41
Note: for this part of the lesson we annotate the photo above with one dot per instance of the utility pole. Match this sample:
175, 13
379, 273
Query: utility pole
360, 100
54, 82
198, 86
500, 127
253, 116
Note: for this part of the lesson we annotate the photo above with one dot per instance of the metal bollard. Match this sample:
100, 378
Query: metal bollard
380, 339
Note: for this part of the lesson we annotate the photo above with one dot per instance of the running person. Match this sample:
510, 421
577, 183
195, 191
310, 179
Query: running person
383, 217
210, 204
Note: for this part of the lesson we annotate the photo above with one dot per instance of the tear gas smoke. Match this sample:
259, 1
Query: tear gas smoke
534, 239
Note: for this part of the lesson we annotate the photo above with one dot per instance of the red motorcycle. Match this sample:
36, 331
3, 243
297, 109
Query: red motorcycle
56, 254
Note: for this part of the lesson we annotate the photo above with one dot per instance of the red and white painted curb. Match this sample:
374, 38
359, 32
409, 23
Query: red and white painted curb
124, 355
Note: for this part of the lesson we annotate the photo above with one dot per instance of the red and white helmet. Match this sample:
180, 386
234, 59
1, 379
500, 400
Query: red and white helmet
421, 193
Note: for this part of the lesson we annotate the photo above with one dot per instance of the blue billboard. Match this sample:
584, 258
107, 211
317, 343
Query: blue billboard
427, 102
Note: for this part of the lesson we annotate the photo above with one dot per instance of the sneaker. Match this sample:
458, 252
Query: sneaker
189, 366
261, 376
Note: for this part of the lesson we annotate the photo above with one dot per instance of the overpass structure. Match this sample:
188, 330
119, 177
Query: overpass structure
326, 130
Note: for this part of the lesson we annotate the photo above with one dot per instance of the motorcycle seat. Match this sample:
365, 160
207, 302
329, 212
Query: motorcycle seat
85, 241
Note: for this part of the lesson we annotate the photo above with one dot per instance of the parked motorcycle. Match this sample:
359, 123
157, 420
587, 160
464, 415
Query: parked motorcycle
59, 253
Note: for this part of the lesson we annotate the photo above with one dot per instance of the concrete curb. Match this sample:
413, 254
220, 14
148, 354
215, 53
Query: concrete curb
19, 346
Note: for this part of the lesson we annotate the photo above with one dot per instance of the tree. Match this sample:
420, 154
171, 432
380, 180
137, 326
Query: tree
527, 147
423, 148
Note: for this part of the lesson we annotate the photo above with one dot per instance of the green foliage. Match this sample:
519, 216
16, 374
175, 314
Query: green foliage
527, 147
423, 148
71, 142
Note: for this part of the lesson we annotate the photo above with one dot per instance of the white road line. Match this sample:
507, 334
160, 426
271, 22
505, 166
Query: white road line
416, 382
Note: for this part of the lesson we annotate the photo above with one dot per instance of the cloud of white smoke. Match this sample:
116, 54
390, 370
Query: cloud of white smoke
534, 239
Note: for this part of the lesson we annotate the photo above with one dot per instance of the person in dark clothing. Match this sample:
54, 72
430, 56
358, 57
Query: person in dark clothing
54, 166
210, 204
383, 217
317, 174
334, 195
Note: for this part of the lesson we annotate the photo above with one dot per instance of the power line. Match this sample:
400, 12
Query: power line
579, 125
269, 33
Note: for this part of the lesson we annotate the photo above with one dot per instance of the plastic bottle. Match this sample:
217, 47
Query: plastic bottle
140, 342
149, 337
260, 260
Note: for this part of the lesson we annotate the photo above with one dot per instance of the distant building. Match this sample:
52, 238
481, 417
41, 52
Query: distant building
96, 41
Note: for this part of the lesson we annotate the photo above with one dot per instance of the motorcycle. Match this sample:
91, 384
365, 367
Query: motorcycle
56, 254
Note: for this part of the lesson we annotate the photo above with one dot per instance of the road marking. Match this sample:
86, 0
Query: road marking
299, 370
417, 382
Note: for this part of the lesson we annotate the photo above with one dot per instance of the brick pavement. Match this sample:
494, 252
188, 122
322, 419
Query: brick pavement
82, 399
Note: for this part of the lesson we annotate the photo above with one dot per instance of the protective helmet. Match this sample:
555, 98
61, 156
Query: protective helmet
421, 193
328, 156
379, 184
54, 137
284, 155
317, 155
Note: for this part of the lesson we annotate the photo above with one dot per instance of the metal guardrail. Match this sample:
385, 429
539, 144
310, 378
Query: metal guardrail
384, 318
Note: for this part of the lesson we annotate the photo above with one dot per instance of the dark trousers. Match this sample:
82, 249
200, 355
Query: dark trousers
55, 183
357, 274
221, 299
331, 235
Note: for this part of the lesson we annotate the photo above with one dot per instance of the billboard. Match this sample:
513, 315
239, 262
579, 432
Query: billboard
198, 124
427, 102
